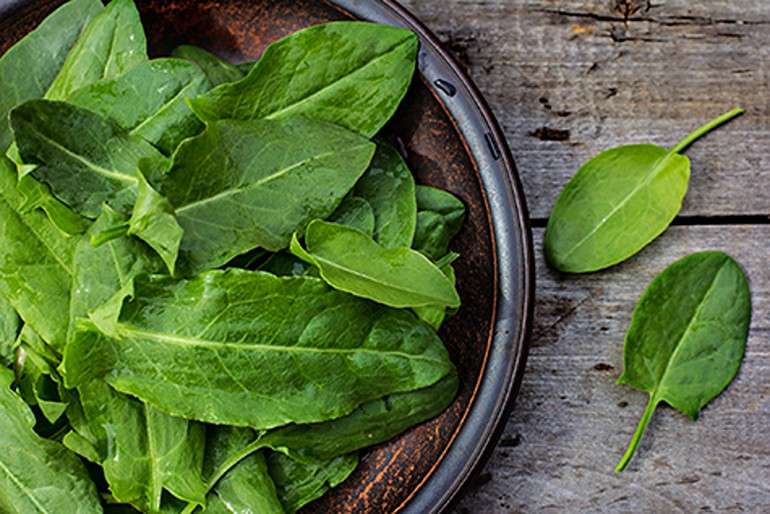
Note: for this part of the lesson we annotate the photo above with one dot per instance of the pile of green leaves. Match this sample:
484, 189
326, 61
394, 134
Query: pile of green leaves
215, 287
688, 332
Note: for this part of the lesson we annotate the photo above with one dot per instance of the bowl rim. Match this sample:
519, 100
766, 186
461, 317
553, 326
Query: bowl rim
513, 305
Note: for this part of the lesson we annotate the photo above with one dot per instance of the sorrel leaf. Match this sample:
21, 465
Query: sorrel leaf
351, 261
618, 202
84, 158
350, 73
687, 336
29, 67
149, 101
217, 70
388, 186
111, 43
247, 184
214, 366
38, 475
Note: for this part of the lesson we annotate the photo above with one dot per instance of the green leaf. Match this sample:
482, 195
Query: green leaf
355, 212
111, 43
102, 272
432, 315
217, 70
299, 483
246, 488
38, 196
37, 379
83, 157
259, 351
440, 215
352, 74
687, 336
388, 186
10, 324
351, 261
35, 263
242, 185
29, 67
153, 221
141, 450
38, 475
371, 423
618, 202
149, 101
317, 445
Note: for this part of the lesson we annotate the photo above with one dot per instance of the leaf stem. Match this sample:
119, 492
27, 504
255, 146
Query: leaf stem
648, 411
109, 234
705, 129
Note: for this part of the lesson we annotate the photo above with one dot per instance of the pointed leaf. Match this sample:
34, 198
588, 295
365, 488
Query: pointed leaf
242, 185
35, 263
297, 325
352, 74
111, 43
351, 261
83, 157
29, 67
217, 70
38, 475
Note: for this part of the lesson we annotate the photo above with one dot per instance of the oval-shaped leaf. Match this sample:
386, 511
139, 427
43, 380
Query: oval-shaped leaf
259, 350
350, 73
615, 205
687, 335
440, 215
351, 261
618, 202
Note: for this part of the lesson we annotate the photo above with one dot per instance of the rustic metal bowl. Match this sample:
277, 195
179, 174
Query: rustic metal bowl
451, 140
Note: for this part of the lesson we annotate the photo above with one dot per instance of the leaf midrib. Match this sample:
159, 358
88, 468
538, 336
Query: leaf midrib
23, 488
647, 180
187, 341
433, 299
55, 254
264, 180
687, 331
83, 160
163, 106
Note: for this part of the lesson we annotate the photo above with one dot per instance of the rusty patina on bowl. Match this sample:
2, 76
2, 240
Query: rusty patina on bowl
450, 140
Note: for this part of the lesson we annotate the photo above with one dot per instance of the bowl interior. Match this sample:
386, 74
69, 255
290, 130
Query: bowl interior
437, 154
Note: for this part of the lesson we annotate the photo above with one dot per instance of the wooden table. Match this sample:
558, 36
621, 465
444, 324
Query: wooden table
567, 79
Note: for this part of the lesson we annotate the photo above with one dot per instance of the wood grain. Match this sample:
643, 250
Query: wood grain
569, 78
572, 422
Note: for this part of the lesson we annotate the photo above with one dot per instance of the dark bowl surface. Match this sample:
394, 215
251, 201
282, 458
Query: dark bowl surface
450, 140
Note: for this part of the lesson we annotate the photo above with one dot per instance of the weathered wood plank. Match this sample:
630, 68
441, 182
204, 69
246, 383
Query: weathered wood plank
571, 423
569, 78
